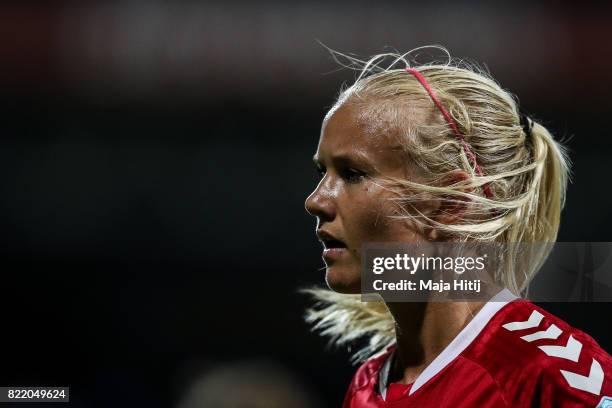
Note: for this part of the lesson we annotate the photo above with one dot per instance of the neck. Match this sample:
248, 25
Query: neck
423, 330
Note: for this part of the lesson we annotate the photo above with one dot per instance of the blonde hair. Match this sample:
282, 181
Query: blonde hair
527, 175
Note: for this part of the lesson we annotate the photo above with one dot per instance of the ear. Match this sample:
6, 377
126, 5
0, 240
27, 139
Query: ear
452, 208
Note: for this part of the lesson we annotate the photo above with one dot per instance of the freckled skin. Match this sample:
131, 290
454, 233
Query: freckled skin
355, 210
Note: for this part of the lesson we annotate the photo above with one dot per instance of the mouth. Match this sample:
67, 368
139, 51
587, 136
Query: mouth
333, 244
333, 248
329, 240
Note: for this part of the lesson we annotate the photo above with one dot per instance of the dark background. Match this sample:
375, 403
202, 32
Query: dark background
155, 157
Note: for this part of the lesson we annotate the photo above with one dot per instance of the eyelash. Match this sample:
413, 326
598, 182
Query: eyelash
348, 174
351, 175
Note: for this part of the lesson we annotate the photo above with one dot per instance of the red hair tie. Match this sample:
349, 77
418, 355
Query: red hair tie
466, 147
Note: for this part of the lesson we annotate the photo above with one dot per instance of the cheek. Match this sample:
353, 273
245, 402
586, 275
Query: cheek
370, 217
372, 220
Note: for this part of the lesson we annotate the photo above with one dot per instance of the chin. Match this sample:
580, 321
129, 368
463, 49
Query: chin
343, 280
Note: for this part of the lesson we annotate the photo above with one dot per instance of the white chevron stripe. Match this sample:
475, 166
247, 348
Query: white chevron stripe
591, 384
534, 321
571, 351
552, 332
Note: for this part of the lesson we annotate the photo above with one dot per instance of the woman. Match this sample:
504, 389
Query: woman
441, 153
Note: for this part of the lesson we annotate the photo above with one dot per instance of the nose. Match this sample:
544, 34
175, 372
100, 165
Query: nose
320, 203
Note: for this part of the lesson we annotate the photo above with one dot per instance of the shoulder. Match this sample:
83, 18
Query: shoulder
537, 358
367, 373
366, 377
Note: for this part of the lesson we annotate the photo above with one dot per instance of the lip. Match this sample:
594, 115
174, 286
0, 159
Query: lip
324, 235
331, 254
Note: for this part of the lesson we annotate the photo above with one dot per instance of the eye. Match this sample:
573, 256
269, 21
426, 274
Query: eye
352, 175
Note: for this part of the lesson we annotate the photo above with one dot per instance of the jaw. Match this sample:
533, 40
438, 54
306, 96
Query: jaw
343, 277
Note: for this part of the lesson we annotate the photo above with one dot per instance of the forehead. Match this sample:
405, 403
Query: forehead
347, 131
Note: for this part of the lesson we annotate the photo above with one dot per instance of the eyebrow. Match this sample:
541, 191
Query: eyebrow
348, 159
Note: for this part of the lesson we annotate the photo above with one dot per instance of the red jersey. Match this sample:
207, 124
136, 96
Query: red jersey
511, 354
